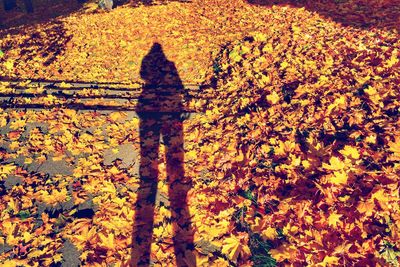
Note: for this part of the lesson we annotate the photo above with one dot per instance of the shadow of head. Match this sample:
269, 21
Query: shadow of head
363, 14
163, 89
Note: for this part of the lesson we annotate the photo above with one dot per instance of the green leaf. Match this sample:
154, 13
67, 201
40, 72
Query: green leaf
247, 194
390, 254
260, 252
24, 214
1, 53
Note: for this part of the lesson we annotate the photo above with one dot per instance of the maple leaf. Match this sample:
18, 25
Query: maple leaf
55, 196
394, 59
269, 233
382, 197
107, 241
117, 116
338, 177
334, 164
349, 151
395, 148
232, 247
334, 219
283, 252
329, 261
9, 64
36, 253
7, 169
273, 98
390, 254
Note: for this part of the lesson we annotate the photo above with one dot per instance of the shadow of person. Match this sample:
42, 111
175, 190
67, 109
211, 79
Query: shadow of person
161, 114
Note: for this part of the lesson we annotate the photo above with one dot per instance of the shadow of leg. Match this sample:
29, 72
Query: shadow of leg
144, 218
178, 188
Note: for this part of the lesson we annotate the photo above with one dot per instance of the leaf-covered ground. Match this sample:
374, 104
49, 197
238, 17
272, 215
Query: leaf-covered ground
294, 161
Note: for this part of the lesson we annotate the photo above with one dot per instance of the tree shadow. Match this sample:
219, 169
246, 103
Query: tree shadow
135, 3
160, 110
43, 11
47, 43
364, 14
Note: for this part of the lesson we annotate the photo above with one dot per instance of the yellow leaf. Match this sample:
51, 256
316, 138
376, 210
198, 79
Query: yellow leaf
17, 124
9, 64
269, 233
382, 198
3, 122
329, 261
65, 85
394, 59
283, 252
339, 177
290, 229
262, 37
334, 219
323, 79
14, 145
265, 79
296, 29
36, 253
117, 116
27, 237
284, 65
191, 155
371, 90
58, 158
245, 49
268, 48
334, 164
240, 156
231, 247
306, 164
366, 207
349, 151
395, 148
107, 241
114, 170
372, 139
5, 170
273, 98
158, 231
55, 196
57, 258
235, 56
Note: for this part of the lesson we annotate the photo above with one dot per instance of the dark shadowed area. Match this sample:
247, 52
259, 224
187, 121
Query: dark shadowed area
40, 11
43, 10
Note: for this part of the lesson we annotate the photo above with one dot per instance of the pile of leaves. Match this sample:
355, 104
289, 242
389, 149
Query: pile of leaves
295, 160
305, 129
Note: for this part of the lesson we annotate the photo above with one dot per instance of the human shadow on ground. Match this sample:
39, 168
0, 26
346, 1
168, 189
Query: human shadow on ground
364, 14
160, 110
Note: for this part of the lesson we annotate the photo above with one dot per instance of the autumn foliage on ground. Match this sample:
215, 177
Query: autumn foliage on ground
294, 156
